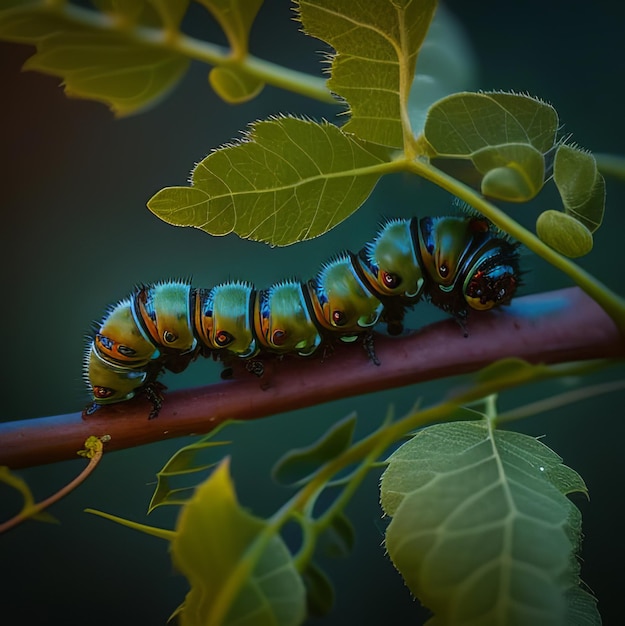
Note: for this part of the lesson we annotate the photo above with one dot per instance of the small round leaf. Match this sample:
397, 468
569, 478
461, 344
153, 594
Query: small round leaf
509, 183
234, 87
564, 233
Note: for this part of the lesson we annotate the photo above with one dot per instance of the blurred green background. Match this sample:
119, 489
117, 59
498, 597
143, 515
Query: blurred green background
76, 236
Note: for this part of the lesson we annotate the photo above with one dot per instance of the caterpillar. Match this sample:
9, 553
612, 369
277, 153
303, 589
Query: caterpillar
458, 263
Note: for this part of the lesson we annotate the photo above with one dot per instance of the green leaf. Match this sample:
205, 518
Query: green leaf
513, 172
482, 531
235, 18
29, 506
512, 369
564, 233
126, 74
287, 181
128, 11
30, 23
581, 608
581, 186
340, 536
234, 86
182, 464
446, 65
503, 135
171, 12
319, 591
379, 41
298, 465
238, 572
154, 531
461, 124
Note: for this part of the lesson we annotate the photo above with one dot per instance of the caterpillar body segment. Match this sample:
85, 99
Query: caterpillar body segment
458, 263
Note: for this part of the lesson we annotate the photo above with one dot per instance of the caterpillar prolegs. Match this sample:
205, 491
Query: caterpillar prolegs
457, 262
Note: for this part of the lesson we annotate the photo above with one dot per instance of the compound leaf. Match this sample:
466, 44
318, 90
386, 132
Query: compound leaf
112, 67
379, 41
581, 186
29, 23
463, 123
482, 531
182, 464
287, 181
299, 464
503, 135
237, 574
125, 74
235, 18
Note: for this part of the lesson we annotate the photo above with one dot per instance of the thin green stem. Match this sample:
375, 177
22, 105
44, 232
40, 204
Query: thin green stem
94, 453
289, 80
611, 164
197, 50
613, 304
374, 444
559, 400
265, 71
309, 537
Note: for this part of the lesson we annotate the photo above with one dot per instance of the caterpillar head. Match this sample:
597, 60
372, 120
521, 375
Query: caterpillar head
467, 265
119, 340
108, 382
493, 278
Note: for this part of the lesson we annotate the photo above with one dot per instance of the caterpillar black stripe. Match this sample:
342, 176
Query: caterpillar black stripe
457, 262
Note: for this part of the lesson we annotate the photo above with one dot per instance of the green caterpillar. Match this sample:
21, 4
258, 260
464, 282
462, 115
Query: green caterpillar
456, 262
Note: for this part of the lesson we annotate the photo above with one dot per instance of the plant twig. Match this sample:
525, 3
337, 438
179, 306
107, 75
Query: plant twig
553, 327
94, 448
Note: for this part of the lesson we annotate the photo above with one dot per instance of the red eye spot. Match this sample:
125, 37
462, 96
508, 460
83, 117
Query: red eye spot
390, 280
278, 337
339, 318
169, 337
223, 338
478, 225
103, 392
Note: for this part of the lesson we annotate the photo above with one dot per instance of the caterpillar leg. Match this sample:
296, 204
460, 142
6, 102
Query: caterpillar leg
368, 345
461, 320
154, 393
226, 373
253, 366
256, 367
90, 409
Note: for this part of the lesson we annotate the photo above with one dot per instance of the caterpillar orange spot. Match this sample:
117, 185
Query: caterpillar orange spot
458, 263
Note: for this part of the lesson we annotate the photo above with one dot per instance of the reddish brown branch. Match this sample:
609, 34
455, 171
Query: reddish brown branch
553, 327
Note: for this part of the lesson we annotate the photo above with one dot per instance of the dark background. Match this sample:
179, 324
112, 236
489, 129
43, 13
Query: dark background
76, 236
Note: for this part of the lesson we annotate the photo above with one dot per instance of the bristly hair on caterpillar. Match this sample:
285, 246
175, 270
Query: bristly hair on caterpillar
458, 263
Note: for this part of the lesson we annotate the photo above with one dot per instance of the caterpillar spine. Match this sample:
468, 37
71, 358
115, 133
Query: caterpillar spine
458, 263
